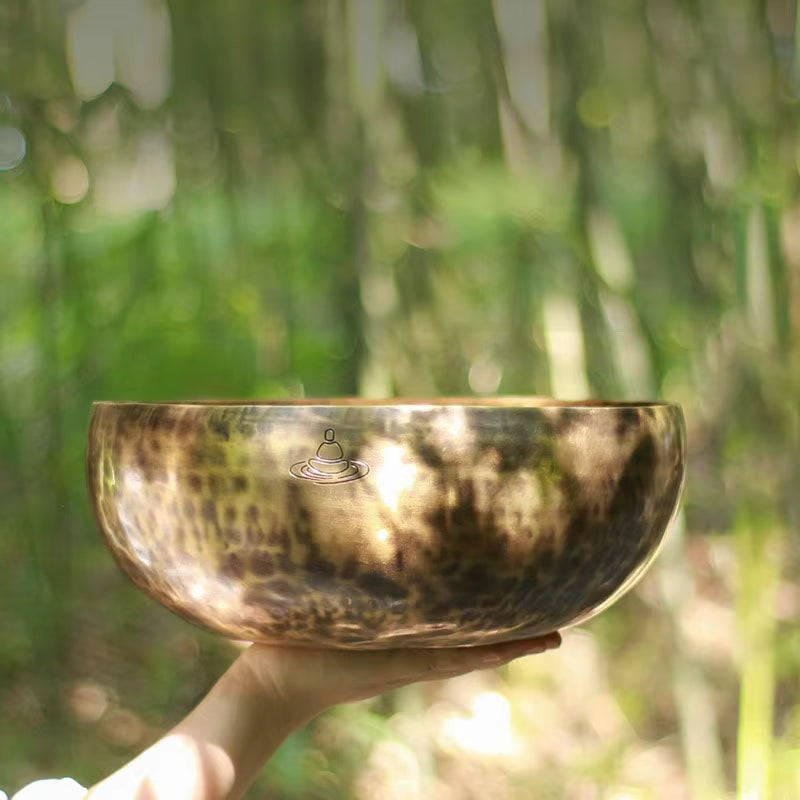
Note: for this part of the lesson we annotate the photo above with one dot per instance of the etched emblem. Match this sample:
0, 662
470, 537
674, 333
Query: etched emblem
329, 464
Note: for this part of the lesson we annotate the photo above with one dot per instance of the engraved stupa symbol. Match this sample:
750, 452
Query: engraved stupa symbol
329, 465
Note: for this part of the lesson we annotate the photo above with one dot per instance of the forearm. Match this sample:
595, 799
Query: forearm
269, 691
215, 752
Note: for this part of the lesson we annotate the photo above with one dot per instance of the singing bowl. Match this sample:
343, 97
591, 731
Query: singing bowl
360, 524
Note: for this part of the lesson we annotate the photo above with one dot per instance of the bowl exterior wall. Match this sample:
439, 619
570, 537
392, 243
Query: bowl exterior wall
436, 526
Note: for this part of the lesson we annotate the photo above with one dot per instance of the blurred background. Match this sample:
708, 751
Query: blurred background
399, 197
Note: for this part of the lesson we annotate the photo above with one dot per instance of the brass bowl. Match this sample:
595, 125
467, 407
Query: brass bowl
361, 524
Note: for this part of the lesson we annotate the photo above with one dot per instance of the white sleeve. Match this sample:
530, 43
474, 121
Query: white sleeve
64, 789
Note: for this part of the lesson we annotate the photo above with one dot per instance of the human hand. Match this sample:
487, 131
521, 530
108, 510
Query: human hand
269, 691
306, 681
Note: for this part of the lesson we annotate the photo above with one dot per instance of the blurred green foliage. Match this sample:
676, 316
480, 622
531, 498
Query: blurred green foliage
388, 198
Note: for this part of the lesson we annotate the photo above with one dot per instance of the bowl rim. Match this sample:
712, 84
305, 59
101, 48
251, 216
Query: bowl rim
497, 401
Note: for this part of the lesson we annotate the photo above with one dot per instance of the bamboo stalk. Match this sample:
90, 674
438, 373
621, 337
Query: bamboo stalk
757, 545
758, 539
696, 713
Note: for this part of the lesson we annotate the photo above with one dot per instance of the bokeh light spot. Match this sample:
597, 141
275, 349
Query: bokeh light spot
12, 147
69, 180
487, 731
485, 376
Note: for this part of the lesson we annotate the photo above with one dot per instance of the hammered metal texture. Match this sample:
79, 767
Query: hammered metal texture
375, 525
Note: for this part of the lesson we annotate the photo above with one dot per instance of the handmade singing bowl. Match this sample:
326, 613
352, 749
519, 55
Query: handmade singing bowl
360, 524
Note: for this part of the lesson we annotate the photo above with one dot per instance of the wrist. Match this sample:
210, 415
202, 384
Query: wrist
239, 724
260, 676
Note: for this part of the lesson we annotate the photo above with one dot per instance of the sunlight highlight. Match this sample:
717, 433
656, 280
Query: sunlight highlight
395, 476
564, 335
